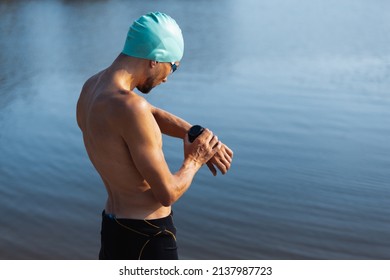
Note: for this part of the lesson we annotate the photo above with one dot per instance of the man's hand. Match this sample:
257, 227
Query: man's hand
221, 160
203, 148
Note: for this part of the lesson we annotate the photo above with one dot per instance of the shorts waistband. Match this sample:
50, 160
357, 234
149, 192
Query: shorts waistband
138, 222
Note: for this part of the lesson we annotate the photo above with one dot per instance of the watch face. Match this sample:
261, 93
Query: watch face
194, 132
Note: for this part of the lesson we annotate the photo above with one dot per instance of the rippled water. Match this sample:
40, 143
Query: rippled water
298, 89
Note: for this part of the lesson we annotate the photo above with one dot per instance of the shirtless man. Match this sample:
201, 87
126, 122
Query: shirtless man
122, 136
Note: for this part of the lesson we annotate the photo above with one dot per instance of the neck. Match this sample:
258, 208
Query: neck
127, 71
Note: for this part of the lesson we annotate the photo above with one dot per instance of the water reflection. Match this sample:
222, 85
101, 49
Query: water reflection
302, 101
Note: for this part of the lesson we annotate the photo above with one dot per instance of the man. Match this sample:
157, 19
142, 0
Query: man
122, 136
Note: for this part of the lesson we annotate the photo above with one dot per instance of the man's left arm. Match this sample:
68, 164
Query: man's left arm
170, 124
176, 127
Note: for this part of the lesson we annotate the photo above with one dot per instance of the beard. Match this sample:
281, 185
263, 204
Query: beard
148, 85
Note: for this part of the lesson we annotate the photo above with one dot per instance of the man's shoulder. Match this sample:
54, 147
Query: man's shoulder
130, 101
91, 81
130, 112
130, 105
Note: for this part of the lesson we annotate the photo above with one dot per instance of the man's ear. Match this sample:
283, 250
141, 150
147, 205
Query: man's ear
153, 63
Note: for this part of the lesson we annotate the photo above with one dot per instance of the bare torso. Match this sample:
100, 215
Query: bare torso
99, 117
122, 136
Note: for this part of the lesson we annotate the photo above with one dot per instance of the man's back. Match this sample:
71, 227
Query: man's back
101, 119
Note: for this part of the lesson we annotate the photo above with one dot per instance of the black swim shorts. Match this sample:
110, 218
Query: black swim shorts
128, 239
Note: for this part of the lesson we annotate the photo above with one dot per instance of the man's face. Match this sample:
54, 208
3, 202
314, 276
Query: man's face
156, 78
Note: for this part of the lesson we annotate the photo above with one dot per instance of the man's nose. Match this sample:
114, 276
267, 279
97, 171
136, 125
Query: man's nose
165, 80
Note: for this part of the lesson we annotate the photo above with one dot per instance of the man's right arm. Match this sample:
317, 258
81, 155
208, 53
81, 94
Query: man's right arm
146, 152
177, 127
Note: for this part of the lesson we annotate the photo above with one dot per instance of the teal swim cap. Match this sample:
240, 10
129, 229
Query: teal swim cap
155, 36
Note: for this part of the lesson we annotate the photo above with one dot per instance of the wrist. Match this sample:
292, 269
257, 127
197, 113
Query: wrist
192, 163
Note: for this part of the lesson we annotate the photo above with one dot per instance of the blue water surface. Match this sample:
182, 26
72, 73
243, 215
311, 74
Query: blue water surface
298, 89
